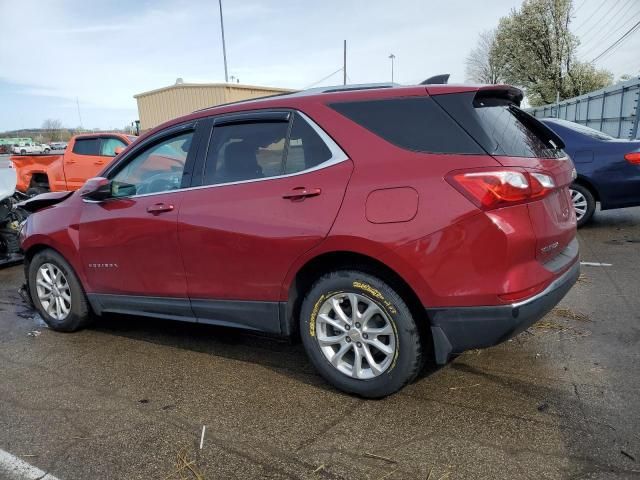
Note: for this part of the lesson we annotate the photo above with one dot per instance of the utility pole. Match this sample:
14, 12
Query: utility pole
79, 116
344, 65
224, 47
392, 57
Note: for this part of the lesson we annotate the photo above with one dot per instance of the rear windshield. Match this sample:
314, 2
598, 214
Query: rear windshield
513, 134
497, 124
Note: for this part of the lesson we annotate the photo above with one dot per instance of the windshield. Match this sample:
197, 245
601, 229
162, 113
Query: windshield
576, 127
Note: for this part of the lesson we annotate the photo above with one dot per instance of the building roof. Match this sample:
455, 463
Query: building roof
236, 86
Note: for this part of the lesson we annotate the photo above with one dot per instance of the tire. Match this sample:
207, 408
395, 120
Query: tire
23, 152
583, 203
395, 369
78, 312
46, 151
33, 191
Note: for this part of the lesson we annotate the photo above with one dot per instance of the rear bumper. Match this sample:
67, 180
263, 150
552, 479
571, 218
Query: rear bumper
456, 329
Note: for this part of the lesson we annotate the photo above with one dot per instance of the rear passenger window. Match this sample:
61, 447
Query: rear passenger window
412, 123
87, 146
306, 148
246, 151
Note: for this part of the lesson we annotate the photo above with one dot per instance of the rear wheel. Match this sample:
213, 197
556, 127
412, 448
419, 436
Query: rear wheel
56, 292
583, 203
360, 335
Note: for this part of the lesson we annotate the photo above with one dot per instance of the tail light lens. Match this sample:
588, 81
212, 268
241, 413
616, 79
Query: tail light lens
500, 188
633, 158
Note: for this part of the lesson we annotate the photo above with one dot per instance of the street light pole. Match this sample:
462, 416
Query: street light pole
224, 47
392, 57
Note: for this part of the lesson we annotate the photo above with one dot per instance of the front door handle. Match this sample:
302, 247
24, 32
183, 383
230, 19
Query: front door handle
159, 208
300, 193
99, 162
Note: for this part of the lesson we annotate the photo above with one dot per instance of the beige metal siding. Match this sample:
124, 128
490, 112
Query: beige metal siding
158, 106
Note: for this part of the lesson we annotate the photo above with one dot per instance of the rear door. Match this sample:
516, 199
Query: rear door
269, 190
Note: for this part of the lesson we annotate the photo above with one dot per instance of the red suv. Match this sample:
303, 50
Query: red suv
384, 225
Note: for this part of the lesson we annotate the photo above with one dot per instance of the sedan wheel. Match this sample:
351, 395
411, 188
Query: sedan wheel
583, 203
579, 204
53, 290
355, 335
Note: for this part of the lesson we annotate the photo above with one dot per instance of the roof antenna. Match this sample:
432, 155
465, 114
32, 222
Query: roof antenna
436, 80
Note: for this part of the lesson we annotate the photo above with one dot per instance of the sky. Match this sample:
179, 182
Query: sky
82, 61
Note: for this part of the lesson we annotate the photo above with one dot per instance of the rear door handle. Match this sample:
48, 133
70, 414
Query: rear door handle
159, 208
100, 162
300, 193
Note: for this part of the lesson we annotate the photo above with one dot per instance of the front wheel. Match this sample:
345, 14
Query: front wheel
56, 292
360, 335
583, 203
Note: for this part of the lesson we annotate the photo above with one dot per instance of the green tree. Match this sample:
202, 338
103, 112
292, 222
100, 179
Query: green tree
537, 52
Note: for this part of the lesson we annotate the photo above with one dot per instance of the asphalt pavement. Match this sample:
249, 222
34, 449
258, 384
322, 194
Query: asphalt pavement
128, 398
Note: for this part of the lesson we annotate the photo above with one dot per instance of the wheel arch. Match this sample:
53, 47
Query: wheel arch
589, 185
328, 261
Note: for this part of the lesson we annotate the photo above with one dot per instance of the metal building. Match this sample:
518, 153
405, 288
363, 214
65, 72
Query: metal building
612, 110
158, 106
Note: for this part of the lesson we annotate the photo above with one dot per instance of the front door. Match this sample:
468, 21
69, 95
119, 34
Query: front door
266, 198
129, 243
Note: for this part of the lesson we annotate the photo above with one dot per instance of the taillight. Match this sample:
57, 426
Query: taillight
499, 188
633, 158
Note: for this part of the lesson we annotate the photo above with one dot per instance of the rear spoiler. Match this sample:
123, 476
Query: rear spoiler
436, 80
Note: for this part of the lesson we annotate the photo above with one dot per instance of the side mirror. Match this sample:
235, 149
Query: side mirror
118, 151
96, 189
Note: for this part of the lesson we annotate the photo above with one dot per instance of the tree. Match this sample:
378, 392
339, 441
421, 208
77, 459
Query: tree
536, 51
52, 129
481, 63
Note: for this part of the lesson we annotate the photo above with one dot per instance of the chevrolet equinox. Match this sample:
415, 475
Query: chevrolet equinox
385, 226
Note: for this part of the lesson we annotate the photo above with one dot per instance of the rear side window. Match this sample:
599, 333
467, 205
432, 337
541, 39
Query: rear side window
413, 123
87, 146
306, 148
246, 151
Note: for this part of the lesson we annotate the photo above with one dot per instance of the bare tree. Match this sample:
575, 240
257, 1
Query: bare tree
52, 129
481, 63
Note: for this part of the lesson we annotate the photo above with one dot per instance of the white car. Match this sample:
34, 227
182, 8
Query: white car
28, 148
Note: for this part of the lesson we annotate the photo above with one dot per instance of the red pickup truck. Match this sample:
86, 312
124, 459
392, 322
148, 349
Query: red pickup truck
86, 155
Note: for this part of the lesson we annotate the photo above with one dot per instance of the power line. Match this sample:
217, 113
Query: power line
589, 51
591, 16
628, 33
323, 79
620, 13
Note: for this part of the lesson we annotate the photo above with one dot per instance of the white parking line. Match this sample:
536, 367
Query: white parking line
595, 264
17, 469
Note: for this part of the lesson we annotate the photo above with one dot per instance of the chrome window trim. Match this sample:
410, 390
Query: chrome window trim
337, 156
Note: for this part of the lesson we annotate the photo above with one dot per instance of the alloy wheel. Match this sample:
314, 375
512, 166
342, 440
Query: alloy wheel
579, 204
355, 335
54, 291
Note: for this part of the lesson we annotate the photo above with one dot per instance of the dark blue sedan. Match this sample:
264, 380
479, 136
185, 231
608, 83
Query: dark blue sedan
608, 168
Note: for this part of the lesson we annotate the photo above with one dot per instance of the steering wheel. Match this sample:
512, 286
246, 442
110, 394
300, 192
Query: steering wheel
160, 182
